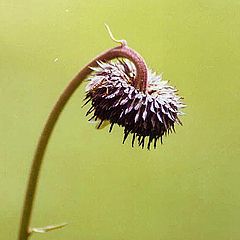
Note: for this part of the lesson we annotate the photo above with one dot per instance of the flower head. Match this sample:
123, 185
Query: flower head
146, 115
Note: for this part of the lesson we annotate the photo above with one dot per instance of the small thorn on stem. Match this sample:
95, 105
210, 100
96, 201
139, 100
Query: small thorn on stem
122, 41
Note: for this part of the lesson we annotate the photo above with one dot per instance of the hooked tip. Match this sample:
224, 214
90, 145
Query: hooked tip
123, 42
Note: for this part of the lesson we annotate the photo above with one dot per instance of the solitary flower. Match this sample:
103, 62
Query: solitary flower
148, 114
123, 92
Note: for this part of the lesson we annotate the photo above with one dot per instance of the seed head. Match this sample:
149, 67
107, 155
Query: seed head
145, 115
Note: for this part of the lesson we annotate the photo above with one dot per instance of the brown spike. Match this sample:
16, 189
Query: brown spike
133, 139
111, 127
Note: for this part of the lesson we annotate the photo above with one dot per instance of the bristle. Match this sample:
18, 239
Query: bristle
111, 127
99, 125
133, 139
126, 132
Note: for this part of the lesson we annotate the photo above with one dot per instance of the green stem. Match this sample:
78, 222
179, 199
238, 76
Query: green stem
140, 82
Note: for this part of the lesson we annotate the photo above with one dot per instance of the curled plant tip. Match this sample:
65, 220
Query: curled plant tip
122, 41
47, 228
147, 115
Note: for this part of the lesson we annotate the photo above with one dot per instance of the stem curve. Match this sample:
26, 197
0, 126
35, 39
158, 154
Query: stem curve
140, 82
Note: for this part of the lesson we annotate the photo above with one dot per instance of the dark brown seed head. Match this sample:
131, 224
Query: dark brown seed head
147, 116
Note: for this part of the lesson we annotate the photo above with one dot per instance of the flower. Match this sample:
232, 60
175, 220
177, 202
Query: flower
145, 115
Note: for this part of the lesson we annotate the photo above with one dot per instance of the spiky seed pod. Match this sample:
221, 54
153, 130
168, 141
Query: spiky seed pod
150, 114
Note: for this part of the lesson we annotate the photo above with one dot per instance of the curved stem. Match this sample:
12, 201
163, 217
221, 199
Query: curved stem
140, 81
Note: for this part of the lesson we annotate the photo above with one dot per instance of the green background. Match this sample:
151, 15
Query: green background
186, 189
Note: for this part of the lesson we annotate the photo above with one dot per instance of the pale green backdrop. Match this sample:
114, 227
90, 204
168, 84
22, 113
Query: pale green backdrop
187, 189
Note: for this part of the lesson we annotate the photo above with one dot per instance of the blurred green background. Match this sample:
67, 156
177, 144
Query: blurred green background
186, 189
